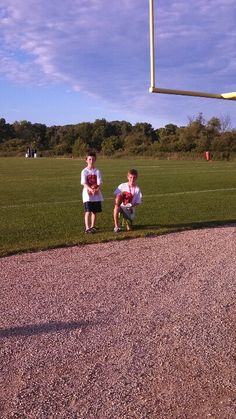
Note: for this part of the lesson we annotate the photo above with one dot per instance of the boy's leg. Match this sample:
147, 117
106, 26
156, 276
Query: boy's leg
116, 212
93, 219
116, 215
87, 220
128, 216
128, 224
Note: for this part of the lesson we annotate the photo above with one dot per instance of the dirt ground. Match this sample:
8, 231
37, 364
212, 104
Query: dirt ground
141, 328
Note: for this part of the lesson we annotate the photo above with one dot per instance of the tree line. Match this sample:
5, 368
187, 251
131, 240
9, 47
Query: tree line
117, 138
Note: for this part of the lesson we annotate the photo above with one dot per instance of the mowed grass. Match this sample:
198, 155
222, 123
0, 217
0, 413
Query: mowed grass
41, 203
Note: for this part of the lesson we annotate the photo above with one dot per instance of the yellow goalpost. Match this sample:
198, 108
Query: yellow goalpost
154, 89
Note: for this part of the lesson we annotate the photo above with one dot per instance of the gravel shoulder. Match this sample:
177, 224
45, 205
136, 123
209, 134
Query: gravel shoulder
143, 328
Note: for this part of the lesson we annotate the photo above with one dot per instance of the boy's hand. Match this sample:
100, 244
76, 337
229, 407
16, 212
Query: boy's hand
94, 189
90, 191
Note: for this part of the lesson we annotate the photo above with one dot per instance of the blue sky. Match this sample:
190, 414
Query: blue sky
69, 61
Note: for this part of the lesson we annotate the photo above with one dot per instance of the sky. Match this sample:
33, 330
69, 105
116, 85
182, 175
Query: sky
69, 61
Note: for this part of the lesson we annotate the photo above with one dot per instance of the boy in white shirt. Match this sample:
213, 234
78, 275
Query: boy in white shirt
91, 180
127, 196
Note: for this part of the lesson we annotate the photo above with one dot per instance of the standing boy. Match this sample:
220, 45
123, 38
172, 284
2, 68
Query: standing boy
127, 196
92, 197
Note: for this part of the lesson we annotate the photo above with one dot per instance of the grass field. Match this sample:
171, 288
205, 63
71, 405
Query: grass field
41, 203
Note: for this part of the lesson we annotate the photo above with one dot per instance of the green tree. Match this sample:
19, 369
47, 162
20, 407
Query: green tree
62, 149
24, 130
84, 131
6, 131
111, 145
79, 148
190, 135
100, 132
52, 137
226, 142
33, 135
167, 138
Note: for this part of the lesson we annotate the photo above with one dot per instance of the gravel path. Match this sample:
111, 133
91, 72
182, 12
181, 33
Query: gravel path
143, 328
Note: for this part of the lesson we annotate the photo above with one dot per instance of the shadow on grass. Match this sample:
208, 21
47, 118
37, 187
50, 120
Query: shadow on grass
185, 226
50, 327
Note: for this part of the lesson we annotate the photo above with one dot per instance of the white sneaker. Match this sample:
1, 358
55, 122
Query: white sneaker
117, 230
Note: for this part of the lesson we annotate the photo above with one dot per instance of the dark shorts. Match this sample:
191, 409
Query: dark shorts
93, 206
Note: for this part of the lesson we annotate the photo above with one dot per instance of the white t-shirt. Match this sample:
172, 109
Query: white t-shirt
91, 177
132, 194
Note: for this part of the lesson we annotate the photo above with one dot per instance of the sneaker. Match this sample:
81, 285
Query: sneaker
88, 231
117, 230
93, 229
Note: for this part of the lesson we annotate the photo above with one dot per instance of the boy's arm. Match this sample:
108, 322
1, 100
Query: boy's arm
99, 178
85, 184
89, 189
118, 196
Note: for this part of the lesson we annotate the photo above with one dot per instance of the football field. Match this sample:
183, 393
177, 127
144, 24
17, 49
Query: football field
41, 204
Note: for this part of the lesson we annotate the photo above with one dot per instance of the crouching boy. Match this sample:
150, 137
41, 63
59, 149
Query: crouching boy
127, 196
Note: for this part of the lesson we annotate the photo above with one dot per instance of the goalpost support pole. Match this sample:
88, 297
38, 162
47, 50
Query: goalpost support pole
152, 48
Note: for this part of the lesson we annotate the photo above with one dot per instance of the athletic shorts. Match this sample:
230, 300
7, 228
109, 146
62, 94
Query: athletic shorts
93, 206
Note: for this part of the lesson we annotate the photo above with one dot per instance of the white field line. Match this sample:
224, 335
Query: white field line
37, 204
190, 192
161, 172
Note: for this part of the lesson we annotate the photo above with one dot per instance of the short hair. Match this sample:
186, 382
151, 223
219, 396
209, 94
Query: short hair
91, 153
133, 172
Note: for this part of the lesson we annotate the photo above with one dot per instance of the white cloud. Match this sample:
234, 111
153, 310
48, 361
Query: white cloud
101, 47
